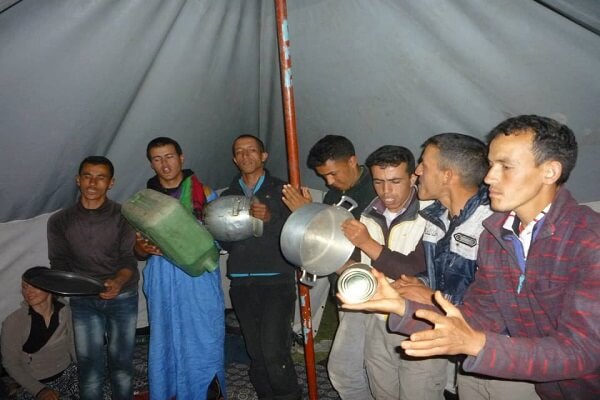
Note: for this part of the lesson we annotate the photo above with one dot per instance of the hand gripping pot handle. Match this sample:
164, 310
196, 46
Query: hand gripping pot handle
257, 224
228, 218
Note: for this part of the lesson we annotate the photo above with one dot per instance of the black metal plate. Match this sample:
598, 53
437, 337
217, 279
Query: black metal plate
64, 283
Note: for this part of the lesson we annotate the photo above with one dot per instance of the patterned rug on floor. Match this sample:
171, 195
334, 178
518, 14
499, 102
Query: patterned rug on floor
240, 388
238, 383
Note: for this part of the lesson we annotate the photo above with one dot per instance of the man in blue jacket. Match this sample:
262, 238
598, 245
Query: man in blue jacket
450, 172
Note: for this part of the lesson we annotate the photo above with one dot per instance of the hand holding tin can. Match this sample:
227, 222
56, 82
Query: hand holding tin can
356, 284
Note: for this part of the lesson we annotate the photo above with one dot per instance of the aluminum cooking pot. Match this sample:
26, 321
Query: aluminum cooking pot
312, 237
228, 218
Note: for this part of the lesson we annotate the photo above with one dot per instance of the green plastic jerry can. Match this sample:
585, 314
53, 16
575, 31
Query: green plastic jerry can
181, 238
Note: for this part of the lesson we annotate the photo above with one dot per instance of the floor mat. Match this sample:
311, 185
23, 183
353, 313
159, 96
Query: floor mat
240, 388
238, 383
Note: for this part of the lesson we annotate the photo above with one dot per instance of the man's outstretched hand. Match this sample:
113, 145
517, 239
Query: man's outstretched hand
385, 300
451, 333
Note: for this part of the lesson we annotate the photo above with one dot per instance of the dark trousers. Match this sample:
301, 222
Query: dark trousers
265, 313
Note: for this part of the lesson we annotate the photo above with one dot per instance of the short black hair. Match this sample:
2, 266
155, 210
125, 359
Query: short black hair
465, 154
32, 272
261, 145
392, 156
160, 142
551, 140
97, 160
330, 147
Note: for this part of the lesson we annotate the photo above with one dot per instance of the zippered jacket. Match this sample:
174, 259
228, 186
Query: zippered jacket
402, 248
260, 258
451, 245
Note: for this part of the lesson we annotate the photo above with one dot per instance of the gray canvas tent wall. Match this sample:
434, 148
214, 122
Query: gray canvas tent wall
81, 77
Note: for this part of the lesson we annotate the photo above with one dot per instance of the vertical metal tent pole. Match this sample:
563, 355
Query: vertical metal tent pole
289, 114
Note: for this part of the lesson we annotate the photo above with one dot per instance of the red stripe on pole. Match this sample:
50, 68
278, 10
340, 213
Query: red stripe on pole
289, 115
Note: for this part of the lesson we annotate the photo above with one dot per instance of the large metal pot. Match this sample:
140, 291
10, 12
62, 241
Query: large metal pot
312, 237
228, 218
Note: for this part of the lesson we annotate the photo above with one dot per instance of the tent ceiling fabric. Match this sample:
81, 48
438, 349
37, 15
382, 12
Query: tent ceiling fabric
83, 77
5, 4
100, 77
583, 12
396, 72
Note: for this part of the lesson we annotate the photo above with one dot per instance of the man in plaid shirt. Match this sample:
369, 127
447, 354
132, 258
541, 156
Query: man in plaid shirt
533, 312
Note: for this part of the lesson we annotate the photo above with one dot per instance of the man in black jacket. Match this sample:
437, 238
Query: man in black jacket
333, 158
263, 291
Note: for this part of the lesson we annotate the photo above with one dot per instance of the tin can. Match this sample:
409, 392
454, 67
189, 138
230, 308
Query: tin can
357, 284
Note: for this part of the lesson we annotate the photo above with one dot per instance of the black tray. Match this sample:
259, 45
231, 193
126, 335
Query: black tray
63, 283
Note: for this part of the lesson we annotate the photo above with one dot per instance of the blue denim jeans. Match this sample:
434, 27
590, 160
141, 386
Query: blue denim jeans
95, 319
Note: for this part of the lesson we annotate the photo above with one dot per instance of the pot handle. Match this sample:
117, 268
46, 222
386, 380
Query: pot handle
349, 200
236, 208
308, 279
257, 224
257, 227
